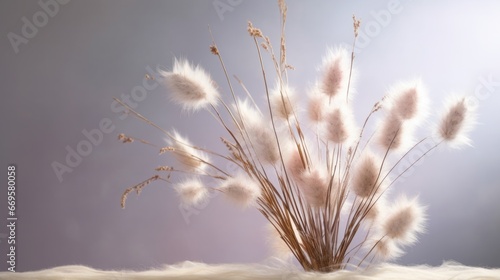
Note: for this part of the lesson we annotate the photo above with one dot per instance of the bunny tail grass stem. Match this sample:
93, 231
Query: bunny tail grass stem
222, 65
240, 129
361, 211
249, 95
269, 103
402, 157
232, 94
415, 162
146, 120
141, 117
371, 250
354, 250
355, 150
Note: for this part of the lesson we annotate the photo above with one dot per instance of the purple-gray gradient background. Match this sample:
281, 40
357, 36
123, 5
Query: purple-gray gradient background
63, 80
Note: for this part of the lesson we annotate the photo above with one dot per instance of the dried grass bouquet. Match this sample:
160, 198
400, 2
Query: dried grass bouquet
310, 170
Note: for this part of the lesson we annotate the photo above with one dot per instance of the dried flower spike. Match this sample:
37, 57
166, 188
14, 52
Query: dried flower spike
254, 32
124, 138
356, 24
214, 50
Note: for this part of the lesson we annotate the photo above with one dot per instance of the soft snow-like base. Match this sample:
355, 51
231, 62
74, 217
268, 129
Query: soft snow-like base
191, 270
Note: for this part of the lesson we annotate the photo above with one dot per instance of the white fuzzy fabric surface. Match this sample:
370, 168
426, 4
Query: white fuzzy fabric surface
191, 270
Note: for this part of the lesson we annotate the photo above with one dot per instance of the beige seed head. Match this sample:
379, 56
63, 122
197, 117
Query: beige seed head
264, 143
191, 87
258, 132
339, 125
385, 249
394, 133
335, 72
190, 158
192, 192
404, 221
408, 100
283, 101
241, 189
366, 178
314, 187
456, 123
316, 106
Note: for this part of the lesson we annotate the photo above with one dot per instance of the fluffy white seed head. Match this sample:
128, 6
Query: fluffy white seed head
312, 181
314, 186
264, 143
241, 189
384, 249
278, 246
372, 214
191, 87
192, 192
404, 221
190, 158
335, 72
339, 125
379, 209
283, 102
246, 114
316, 106
408, 100
294, 163
366, 178
394, 133
456, 123
376, 212
258, 132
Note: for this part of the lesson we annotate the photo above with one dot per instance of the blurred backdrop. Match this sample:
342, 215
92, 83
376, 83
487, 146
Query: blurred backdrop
62, 62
